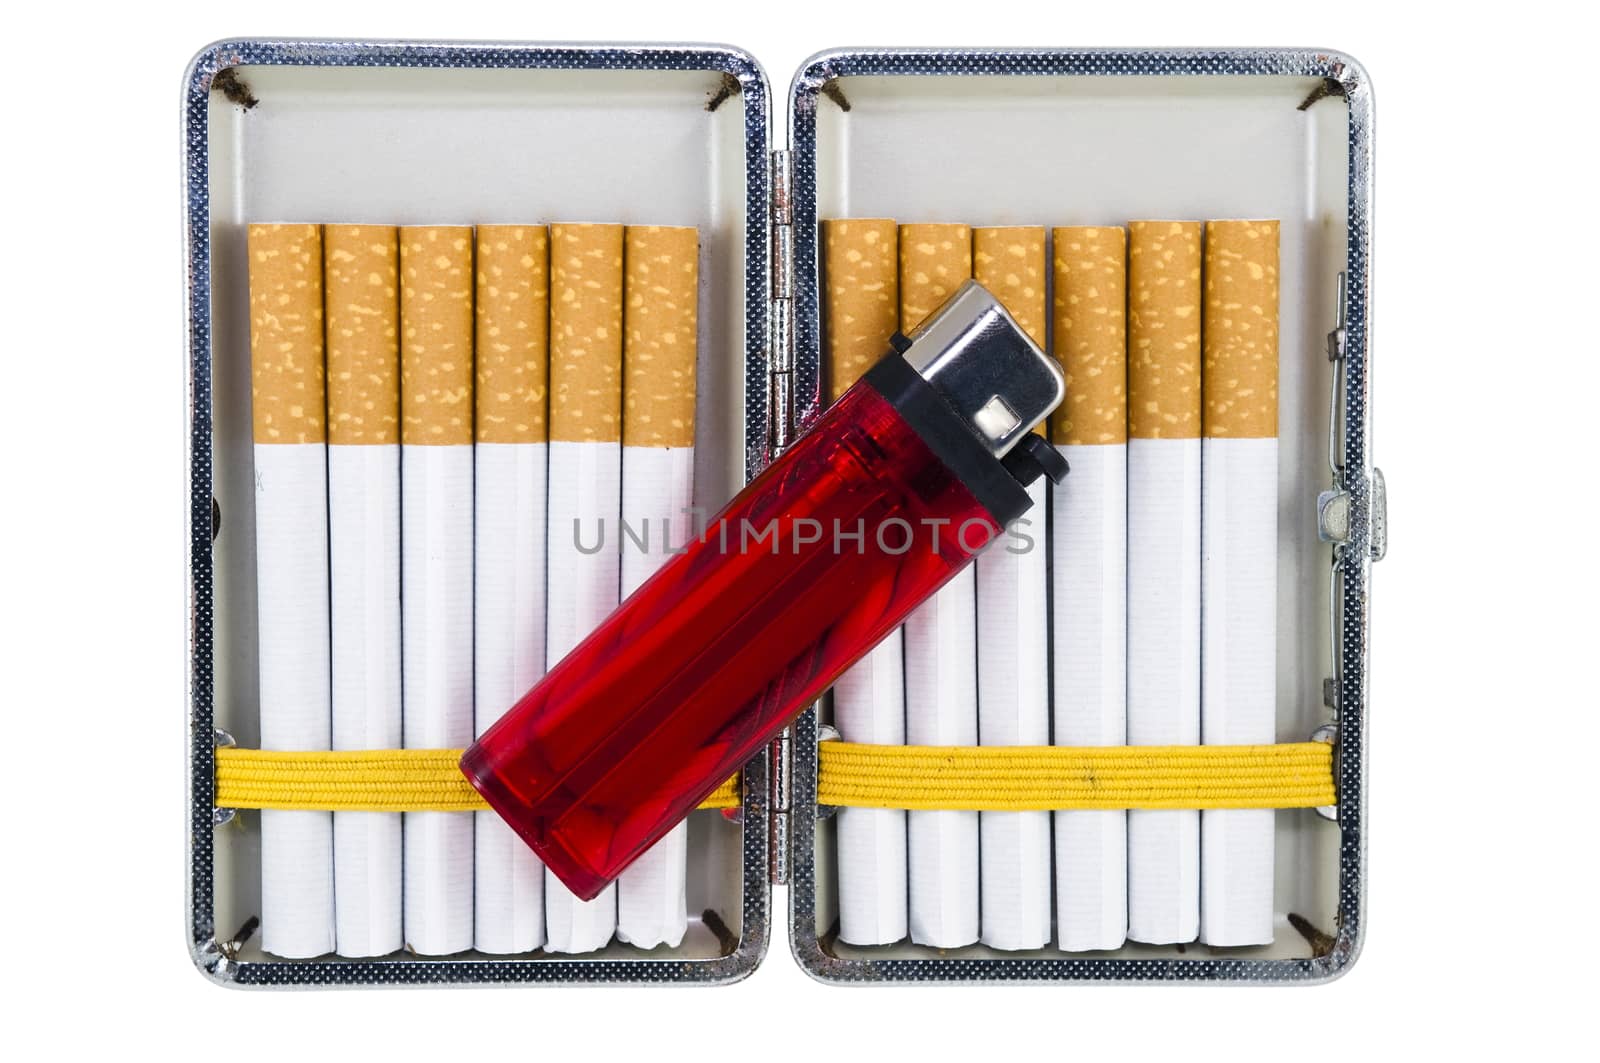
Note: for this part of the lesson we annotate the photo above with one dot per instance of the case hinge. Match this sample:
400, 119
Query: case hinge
780, 396
782, 791
780, 347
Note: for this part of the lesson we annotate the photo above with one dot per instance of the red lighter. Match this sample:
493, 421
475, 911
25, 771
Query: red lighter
896, 488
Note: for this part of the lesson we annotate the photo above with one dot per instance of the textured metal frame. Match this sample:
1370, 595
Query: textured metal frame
1354, 576
213, 956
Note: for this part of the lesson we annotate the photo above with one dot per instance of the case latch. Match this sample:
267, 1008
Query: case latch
1334, 506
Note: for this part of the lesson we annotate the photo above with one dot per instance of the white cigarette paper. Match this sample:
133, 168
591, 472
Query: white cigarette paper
1163, 562
292, 617
364, 503
363, 307
436, 566
1089, 538
583, 574
657, 491
510, 456
1239, 593
940, 650
509, 648
869, 706
583, 578
1013, 636
1089, 546
290, 432
862, 313
942, 710
1014, 710
1238, 692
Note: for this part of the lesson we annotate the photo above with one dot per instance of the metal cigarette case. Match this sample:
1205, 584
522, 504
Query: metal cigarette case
480, 133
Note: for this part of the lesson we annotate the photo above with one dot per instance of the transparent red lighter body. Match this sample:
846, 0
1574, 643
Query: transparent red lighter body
731, 639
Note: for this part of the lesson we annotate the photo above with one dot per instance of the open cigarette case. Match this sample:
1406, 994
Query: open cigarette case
403, 133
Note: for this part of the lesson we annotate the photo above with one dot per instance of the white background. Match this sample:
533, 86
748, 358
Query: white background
1483, 909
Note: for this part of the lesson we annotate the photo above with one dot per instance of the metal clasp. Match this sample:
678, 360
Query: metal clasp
222, 740
1329, 733
826, 733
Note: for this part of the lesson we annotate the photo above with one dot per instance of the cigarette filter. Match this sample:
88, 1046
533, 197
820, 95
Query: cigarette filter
1089, 544
862, 278
436, 564
804, 571
661, 290
1013, 637
362, 279
940, 654
1239, 589
291, 465
509, 455
1163, 666
862, 274
585, 498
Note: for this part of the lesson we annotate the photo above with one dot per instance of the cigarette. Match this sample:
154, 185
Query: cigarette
940, 650
1089, 542
1013, 646
661, 292
362, 282
436, 565
291, 466
510, 453
861, 272
1163, 658
585, 496
1238, 595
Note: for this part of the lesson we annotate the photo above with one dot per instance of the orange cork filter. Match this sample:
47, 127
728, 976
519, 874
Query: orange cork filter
1164, 329
1010, 261
935, 258
1091, 334
586, 333
436, 325
1241, 329
513, 333
861, 274
363, 302
286, 341
662, 285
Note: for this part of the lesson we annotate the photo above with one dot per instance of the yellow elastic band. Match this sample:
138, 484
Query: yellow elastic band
1037, 778
381, 780
988, 778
